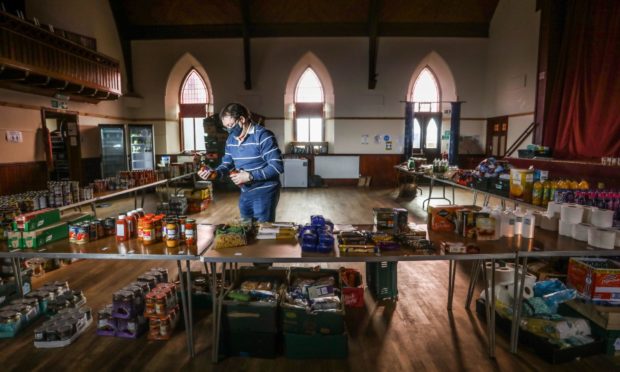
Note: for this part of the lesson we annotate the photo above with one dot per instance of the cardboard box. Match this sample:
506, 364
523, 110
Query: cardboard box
595, 278
38, 238
15, 239
606, 317
445, 217
36, 220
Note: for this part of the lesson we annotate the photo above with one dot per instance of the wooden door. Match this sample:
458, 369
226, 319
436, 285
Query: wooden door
497, 136
427, 134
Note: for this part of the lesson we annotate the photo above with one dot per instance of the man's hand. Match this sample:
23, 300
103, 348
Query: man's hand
240, 178
205, 174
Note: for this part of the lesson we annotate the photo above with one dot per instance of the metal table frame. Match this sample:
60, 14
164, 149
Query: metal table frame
232, 260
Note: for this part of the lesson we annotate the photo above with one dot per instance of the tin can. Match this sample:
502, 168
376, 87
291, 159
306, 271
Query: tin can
73, 232
100, 229
83, 234
110, 226
94, 234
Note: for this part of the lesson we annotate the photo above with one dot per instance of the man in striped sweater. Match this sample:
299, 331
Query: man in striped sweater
254, 162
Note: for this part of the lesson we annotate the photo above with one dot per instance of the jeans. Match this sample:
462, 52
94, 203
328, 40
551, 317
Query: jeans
259, 206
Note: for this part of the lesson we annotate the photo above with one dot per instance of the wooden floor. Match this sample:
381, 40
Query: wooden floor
415, 334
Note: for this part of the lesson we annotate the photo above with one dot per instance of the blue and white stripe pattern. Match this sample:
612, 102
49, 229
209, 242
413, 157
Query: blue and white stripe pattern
258, 154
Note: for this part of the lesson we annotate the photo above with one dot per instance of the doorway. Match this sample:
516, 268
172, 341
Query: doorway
427, 134
497, 136
63, 150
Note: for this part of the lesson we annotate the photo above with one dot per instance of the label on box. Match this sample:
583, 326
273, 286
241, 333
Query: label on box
320, 291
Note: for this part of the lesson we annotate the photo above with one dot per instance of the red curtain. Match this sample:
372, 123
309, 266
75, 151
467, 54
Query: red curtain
583, 116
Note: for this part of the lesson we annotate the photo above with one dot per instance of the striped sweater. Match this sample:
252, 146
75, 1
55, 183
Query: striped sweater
258, 154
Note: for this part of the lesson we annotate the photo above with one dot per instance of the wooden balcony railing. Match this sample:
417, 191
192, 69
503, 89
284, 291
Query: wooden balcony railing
36, 60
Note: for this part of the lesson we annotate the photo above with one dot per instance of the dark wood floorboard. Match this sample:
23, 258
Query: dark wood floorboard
415, 334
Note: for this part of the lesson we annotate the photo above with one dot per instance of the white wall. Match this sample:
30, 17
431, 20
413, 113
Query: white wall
357, 109
512, 59
21, 111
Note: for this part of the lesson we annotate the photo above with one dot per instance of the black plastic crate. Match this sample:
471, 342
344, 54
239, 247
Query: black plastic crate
382, 280
500, 187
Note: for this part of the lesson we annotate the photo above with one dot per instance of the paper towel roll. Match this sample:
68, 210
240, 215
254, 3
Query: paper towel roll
617, 237
565, 228
528, 290
554, 208
580, 231
502, 294
587, 214
539, 216
571, 213
549, 222
502, 274
602, 238
602, 218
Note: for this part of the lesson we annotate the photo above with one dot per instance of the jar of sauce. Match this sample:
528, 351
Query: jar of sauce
190, 232
182, 220
172, 234
148, 232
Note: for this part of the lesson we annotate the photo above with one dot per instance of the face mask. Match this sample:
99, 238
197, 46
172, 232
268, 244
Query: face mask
235, 130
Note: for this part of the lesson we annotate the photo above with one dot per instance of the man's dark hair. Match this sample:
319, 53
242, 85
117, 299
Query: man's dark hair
235, 110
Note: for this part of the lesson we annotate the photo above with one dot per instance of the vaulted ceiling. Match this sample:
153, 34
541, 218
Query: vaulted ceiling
247, 19
163, 19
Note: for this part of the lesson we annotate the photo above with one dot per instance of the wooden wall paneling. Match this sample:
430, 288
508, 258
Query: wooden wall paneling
21, 177
380, 168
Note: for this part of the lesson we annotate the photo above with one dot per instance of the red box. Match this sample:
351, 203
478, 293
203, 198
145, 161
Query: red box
352, 287
595, 278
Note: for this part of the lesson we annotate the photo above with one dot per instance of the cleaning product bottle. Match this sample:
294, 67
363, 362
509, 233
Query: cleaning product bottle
529, 222
537, 193
508, 223
496, 216
518, 220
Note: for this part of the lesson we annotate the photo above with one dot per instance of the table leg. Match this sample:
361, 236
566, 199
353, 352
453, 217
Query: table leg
185, 309
451, 284
492, 327
487, 302
216, 321
430, 194
17, 273
473, 278
135, 200
93, 207
142, 201
453, 197
190, 307
517, 308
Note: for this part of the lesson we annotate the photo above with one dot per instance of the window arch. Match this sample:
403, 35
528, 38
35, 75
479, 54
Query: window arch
426, 93
309, 107
193, 103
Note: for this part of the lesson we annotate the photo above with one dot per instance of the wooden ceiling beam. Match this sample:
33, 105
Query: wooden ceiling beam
122, 26
260, 30
247, 47
373, 42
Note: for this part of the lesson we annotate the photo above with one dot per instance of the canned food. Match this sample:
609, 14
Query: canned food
83, 234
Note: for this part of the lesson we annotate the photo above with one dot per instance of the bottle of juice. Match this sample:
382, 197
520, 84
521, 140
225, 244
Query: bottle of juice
546, 192
537, 193
574, 185
553, 185
584, 185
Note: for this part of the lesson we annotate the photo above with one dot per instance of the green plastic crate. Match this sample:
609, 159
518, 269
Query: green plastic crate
298, 346
382, 280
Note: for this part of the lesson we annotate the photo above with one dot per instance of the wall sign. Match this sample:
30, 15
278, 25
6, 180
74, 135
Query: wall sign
14, 136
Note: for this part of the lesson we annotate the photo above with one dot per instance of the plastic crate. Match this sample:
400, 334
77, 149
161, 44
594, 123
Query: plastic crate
382, 280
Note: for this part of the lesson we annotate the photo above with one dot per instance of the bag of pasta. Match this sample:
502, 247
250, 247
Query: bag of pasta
229, 236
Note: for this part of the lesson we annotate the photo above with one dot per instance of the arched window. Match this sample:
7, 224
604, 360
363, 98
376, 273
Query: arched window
309, 101
426, 92
426, 95
193, 109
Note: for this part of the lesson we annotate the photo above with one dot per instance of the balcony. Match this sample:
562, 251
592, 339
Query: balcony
36, 60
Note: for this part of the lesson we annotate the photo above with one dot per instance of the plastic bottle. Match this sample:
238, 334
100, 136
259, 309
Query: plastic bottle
537, 193
132, 224
122, 230
508, 223
518, 220
584, 185
529, 223
546, 193
496, 214
553, 186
